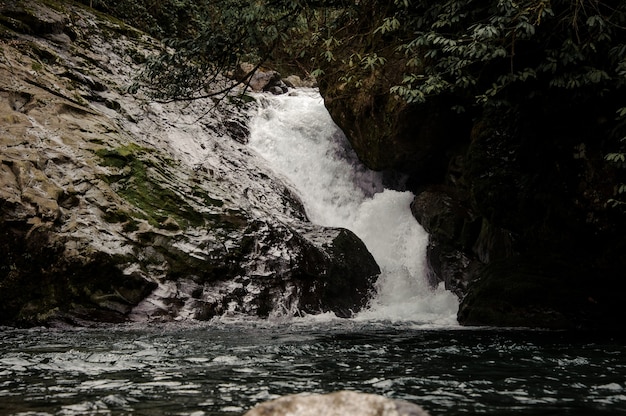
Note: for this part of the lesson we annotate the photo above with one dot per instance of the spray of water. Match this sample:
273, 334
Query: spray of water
297, 137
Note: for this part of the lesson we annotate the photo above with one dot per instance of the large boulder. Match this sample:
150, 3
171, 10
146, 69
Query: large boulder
113, 207
261, 79
341, 403
541, 291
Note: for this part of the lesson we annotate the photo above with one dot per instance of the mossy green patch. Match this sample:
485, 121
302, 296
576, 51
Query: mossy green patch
59, 6
120, 156
37, 66
141, 179
241, 99
120, 216
206, 198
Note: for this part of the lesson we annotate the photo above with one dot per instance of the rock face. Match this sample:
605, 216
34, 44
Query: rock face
387, 133
549, 240
517, 201
114, 207
342, 403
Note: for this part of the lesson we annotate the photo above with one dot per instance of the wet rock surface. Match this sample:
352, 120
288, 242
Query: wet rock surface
114, 207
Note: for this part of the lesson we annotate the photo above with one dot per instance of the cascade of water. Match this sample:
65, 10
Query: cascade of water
297, 137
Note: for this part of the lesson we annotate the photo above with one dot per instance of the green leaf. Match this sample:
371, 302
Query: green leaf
317, 73
616, 157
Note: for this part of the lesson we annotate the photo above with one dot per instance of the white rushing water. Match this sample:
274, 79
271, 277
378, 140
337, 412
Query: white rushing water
298, 138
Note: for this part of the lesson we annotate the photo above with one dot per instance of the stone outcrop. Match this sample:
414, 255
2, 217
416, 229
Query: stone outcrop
387, 133
114, 207
341, 403
261, 79
524, 234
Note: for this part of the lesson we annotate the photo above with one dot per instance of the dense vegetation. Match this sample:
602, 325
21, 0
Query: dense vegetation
477, 54
475, 49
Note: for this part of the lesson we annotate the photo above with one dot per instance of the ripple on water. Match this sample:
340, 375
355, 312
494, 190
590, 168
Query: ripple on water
216, 370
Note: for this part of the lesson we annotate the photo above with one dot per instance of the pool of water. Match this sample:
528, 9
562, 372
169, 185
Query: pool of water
225, 367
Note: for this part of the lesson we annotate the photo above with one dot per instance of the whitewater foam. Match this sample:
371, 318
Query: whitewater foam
297, 137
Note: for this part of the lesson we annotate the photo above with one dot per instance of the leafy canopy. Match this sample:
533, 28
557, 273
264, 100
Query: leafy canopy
476, 53
472, 49
483, 48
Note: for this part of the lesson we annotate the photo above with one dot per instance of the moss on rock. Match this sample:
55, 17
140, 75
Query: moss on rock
138, 177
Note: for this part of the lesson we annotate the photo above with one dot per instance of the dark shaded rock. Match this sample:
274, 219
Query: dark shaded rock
390, 135
453, 266
540, 291
347, 272
40, 285
518, 231
93, 84
294, 81
30, 17
445, 214
238, 130
262, 79
453, 232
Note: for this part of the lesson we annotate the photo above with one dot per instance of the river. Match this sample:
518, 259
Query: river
406, 344
225, 367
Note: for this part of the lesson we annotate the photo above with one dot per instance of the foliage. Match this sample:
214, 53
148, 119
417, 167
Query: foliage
474, 53
209, 38
475, 50
478, 51
230, 32
618, 160
484, 49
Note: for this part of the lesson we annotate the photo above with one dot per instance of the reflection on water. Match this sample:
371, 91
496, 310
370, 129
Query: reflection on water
224, 368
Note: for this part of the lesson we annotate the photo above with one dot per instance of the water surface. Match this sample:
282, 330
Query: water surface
225, 367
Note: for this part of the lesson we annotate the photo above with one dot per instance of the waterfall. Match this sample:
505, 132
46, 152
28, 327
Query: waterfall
299, 140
